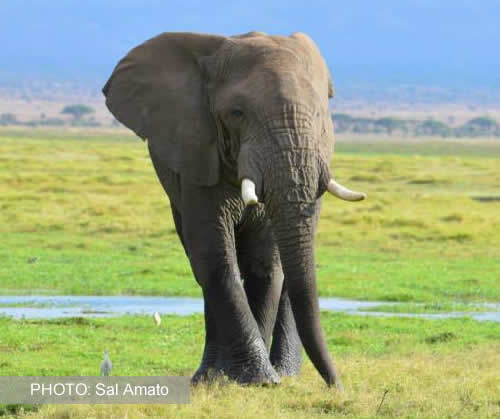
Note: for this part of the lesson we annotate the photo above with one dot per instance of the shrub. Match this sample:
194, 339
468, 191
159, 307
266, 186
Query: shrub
432, 127
8, 119
481, 126
77, 111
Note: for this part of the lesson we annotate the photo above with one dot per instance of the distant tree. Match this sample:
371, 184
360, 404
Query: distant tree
481, 126
432, 127
341, 117
8, 119
342, 122
389, 124
77, 111
85, 122
51, 122
363, 125
484, 124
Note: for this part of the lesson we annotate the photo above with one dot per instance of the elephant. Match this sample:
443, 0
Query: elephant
240, 135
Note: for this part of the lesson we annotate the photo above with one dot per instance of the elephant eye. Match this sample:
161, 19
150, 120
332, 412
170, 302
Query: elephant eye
236, 113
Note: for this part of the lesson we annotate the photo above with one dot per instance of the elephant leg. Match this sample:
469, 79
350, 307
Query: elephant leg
171, 184
208, 368
199, 225
209, 238
260, 266
286, 349
176, 215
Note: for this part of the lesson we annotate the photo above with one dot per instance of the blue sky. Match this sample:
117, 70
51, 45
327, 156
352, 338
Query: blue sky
449, 43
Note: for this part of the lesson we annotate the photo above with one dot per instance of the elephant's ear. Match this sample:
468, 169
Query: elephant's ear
302, 37
158, 91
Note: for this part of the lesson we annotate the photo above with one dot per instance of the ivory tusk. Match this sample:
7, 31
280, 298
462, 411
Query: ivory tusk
336, 189
248, 192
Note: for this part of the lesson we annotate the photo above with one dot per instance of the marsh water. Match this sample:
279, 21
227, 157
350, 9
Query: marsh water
50, 307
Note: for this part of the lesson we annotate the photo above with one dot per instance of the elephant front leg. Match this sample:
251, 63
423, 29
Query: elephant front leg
259, 262
207, 370
241, 352
286, 350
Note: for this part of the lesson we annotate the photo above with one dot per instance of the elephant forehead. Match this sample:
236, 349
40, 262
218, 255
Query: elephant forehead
274, 77
276, 55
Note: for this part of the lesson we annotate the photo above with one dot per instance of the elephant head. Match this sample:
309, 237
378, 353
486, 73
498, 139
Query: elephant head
252, 110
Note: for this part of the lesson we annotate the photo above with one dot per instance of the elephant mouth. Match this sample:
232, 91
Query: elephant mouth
335, 188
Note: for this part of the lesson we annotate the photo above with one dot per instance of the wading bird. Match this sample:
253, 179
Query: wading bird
106, 365
157, 318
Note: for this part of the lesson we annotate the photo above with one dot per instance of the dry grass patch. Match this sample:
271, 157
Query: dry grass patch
464, 384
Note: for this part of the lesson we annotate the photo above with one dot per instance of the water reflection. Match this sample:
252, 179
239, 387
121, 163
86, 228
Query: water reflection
36, 307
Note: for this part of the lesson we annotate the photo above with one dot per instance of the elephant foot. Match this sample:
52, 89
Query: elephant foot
248, 376
207, 371
254, 375
288, 369
205, 375
251, 368
287, 359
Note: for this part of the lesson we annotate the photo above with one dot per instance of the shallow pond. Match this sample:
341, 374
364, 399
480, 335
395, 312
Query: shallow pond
31, 307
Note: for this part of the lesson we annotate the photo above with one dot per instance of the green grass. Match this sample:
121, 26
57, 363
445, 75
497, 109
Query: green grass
83, 214
429, 308
423, 146
90, 209
32, 304
414, 360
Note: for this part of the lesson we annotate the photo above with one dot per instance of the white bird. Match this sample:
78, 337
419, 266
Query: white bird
157, 318
106, 365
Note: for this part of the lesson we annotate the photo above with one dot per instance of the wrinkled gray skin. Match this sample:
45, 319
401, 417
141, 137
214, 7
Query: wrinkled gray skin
216, 110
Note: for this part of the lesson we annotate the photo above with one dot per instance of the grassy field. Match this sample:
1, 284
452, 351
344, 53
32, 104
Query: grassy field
440, 368
84, 214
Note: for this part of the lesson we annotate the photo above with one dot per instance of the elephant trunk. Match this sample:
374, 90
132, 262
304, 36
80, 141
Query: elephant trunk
288, 177
294, 232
